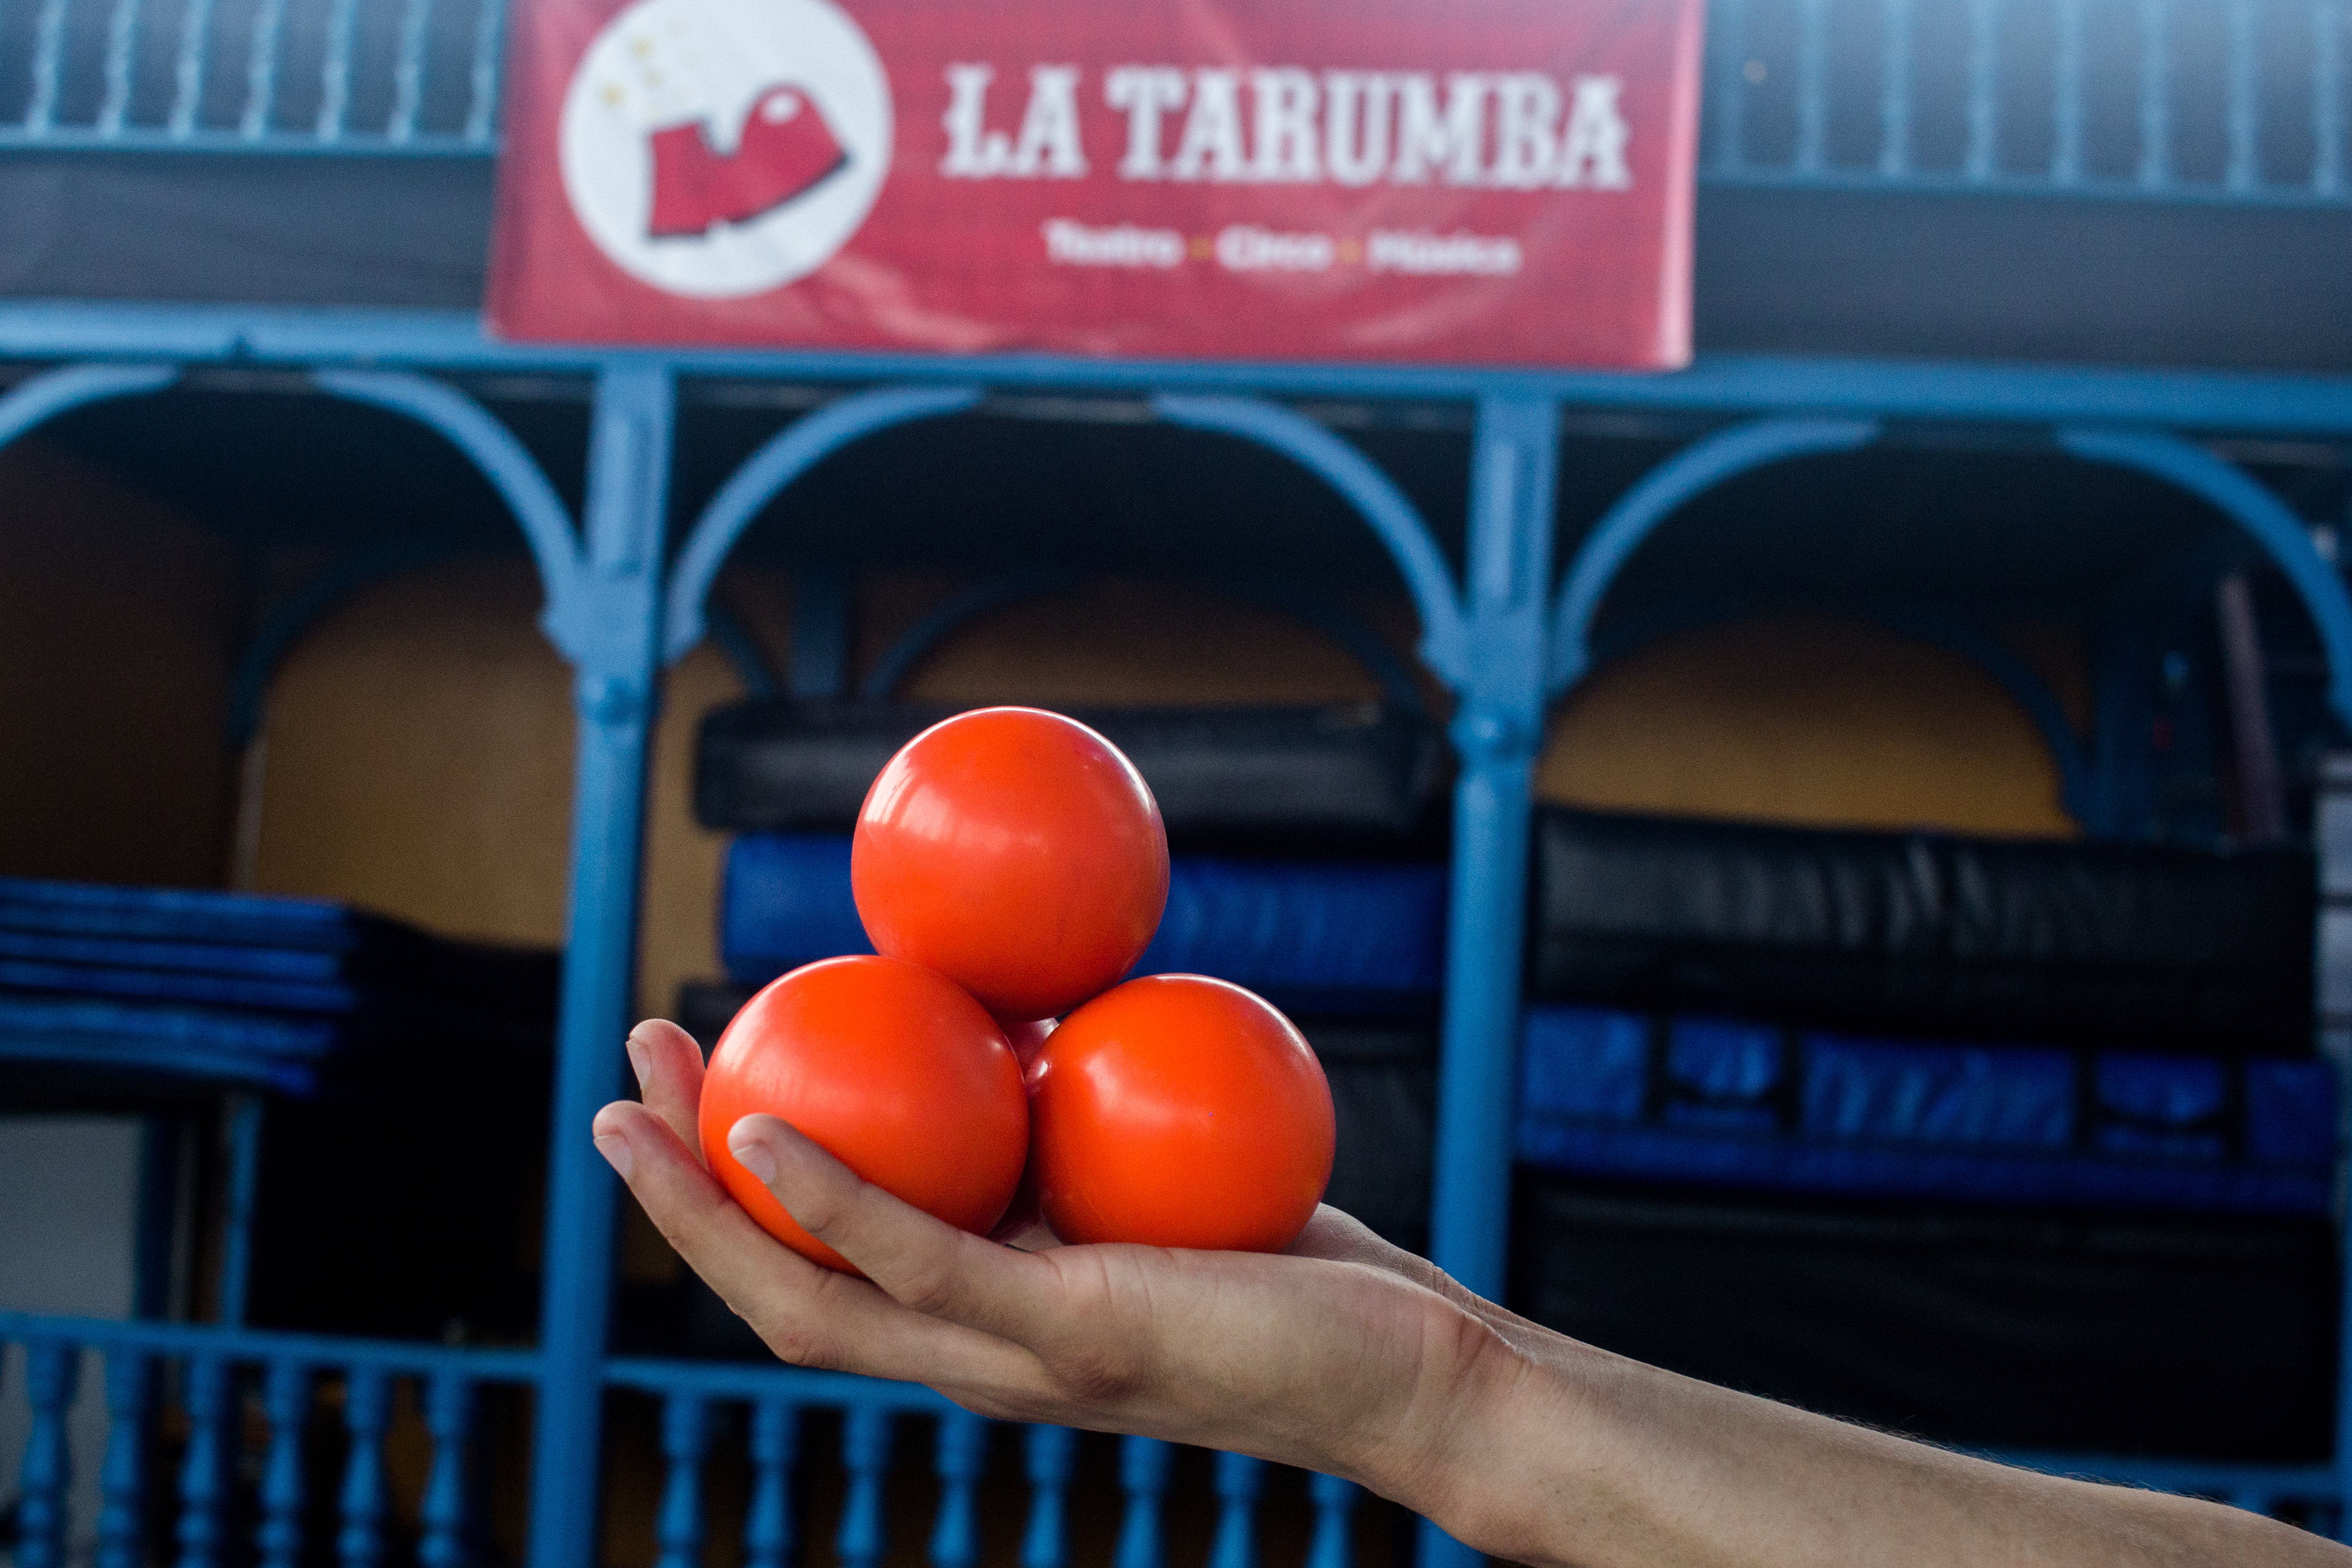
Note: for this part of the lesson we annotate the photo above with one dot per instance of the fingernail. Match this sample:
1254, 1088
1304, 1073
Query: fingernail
615, 1149
637, 1061
753, 1156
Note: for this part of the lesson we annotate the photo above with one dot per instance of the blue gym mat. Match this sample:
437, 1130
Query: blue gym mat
1721, 1102
1328, 937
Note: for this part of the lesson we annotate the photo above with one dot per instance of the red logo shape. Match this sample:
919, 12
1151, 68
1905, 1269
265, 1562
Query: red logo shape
786, 150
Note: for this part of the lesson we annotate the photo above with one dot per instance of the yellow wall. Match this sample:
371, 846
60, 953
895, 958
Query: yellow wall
1812, 720
118, 621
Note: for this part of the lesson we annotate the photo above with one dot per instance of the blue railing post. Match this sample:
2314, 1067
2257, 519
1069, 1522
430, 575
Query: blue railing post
50, 1368
367, 1405
685, 1440
203, 1469
962, 1454
613, 622
768, 1522
865, 1456
1239, 1480
1049, 1452
286, 1401
1497, 732
1143, 1465
448, 1418
1333, 1544
123, 1482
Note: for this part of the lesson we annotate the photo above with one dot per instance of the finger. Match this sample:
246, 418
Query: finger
809, 1315
919, 1260
668, 1066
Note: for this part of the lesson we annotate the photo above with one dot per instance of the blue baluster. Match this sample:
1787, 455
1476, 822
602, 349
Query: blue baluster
482, 90
1239, 1480
122, 1480
1334, 1544
121, 41
685, 1440
1051, 1451
2243, 113
1727, 100
367, 1410
2155, 93
261, 86
962, 1454
2066, 126
335, 70
1984, 89
865, 1456
1894, 88
48, 64
2328, 98
1143, 1464
285, 1402
1812, 84
50, 1368
188, 68
448, 1412
408, 72
768, 1522
203, 1468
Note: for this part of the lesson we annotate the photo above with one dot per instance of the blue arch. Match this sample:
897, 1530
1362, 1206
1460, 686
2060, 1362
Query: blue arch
1660, 493
43, 398
2269, 522
513, 472
785, 456
1445, 641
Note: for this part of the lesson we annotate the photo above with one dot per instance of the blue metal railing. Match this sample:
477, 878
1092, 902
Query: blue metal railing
410, 76
2239, 100
250, 1403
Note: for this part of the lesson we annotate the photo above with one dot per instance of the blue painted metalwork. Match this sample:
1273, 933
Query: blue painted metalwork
2066, 119
1895, 89
2243, 109
43, 398
1812, 85
2327, 27
960, 1455
50, 1368
367, 1410
1636, 514
1496, 731
1392, 517
785, 457
409, 73
241, 1136
607, 617
188, 71
865, 1434
203, 1467
482, 78
685, 1440
1332, 1545
121, 36
1239, 1481
768, 1532
285, 1402
1048, 1453
2265, 519
820, 666
2155, 94
122, 1474
916, 644
1984, 91
1143, 1467
448, 1419
261, 69
741, 651
1727, 94
335, 75
291, 620
48, 64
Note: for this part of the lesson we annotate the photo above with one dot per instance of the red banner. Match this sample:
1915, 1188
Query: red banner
1469, 181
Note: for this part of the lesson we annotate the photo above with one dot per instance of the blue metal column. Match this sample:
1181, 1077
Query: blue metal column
612, 620
1497, 731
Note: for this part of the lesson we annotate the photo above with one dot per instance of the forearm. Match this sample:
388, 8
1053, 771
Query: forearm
1565, 1455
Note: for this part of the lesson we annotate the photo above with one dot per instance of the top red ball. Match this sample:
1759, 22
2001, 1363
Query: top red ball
1016, 852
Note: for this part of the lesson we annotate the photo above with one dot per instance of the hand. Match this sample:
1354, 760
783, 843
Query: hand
1346, 1355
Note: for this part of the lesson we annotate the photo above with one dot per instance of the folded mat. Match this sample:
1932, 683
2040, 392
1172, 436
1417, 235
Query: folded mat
1383, 1076
1921, 934
1361, 937
1735, 1104
2211, 1339
297, 996
1356, 773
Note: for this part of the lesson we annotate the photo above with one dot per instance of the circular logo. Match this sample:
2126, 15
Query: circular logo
719, 148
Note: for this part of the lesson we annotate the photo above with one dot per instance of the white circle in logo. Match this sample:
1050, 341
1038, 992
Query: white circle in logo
720, 148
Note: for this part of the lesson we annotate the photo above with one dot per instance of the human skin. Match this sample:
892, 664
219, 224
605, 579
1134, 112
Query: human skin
1349, 1356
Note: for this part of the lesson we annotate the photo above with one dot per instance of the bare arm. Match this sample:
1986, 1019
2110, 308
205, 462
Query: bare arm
1350, 1357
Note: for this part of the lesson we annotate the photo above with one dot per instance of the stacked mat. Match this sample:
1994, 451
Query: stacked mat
1843, 1099
1350, 942
298, 996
